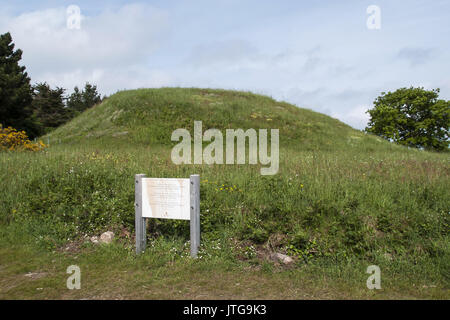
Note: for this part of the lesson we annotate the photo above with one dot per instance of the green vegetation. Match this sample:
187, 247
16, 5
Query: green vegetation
80, 101
341, 201
48, 107
413, 117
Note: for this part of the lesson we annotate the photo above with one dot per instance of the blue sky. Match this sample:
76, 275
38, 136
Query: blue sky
315, 54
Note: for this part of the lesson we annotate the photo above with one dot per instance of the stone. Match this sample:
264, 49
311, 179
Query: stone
107, 237
94, 239
35, 275
282, 258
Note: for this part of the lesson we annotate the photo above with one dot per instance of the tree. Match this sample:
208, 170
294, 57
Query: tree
90, 95
414, 117
75, 101
48, 106
15, 89
80, 101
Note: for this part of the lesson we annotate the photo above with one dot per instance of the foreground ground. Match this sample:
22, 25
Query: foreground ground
114, 272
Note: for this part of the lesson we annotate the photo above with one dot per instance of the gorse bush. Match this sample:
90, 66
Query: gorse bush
11, 139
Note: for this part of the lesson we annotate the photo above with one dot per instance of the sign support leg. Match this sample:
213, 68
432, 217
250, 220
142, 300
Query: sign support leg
139, 222
195, 214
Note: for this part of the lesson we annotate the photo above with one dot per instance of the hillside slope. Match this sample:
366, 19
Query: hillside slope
149, 116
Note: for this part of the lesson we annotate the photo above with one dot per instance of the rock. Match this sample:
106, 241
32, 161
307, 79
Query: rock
282, 258
35, 275
94, 239
107, 237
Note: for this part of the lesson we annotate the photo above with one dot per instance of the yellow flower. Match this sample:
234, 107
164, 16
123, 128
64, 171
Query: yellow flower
11, 139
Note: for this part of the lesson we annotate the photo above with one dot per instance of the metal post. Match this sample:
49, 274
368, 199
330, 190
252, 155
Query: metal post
139, 221
195, 214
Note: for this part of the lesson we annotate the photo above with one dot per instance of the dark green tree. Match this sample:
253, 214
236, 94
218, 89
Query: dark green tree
48, 106
413, 117
90, 95
80, 101
75, 101
15, 89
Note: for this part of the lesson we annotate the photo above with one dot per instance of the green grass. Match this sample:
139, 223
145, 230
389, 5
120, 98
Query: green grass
341, 201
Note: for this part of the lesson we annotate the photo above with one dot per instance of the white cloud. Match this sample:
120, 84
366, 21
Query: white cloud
106, 44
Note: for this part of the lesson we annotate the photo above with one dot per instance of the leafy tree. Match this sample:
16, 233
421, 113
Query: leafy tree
414, 117
48, 106
15, 89
80, 101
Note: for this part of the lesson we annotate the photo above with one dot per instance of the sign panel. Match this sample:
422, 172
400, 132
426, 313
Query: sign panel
167, 198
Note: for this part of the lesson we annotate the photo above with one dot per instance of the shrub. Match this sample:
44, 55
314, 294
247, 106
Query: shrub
11, 139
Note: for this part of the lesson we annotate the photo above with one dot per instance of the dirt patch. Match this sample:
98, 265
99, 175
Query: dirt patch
72, 247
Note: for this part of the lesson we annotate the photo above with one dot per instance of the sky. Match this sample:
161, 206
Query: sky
320, 55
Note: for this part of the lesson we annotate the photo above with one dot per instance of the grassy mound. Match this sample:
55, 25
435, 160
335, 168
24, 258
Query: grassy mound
340, 195
149, 116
